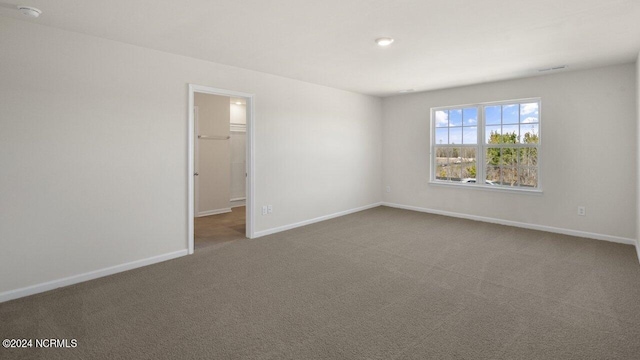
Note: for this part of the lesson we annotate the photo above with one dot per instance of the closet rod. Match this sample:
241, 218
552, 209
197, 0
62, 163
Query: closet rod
214, 137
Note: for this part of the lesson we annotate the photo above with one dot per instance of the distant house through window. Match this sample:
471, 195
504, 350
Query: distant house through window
493, 145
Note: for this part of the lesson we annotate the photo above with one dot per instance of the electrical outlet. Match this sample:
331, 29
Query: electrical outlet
264, 210
387, 188
269, 209
582, 211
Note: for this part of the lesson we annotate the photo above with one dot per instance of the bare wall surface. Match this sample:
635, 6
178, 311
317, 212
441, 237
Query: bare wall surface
238, 114
238, 152
214, 156
588, 152
637, 182
93, 148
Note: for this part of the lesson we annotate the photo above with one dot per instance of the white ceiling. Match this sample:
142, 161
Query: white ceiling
439, 43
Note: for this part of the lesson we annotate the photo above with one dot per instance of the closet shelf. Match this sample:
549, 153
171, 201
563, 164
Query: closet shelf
214, 137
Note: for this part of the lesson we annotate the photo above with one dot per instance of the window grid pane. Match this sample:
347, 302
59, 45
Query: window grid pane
510, 145
456, 126
455, 164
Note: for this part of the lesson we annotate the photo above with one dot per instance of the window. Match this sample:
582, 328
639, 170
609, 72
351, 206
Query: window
496, 142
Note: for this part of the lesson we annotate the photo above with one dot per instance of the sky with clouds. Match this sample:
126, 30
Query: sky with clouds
459, 126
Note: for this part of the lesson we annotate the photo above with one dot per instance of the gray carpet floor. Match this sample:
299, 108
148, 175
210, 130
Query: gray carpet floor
378, 284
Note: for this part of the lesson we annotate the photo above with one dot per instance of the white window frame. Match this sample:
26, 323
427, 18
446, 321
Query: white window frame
481, 148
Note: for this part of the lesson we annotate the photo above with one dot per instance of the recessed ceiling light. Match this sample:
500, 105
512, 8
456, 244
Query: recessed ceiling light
238, 103
384, 41
29, 11
406, 91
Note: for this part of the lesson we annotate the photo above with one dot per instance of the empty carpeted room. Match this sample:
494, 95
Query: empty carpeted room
423, 179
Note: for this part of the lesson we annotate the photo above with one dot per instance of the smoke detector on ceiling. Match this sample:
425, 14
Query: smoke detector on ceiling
29, 11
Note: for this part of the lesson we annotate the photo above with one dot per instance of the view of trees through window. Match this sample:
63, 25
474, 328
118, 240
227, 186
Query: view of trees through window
508, 150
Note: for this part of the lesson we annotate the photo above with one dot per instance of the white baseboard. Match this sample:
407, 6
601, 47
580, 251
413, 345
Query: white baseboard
214, 212
54, 284
258, 234
234, 203
585, 234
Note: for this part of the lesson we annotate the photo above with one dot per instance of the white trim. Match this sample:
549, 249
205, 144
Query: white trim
487, 187
237, 202
315, 220
75, 279
191, 171
251, 167
585, 234
214, 212
495, 102
637, 244
250, 156
240, 128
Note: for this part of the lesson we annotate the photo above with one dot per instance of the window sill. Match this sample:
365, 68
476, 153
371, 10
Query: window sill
497, 188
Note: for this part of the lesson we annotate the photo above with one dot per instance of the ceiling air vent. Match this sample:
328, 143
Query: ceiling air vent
555, 68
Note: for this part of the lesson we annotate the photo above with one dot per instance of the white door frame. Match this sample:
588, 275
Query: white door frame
250, 186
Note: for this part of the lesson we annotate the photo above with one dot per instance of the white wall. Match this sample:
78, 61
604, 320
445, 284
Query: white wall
238, 114
213, 184
638, 154
238, 167
93, 151
238, 153
588, 152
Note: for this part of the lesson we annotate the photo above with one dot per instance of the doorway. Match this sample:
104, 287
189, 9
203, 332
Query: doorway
220, 183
